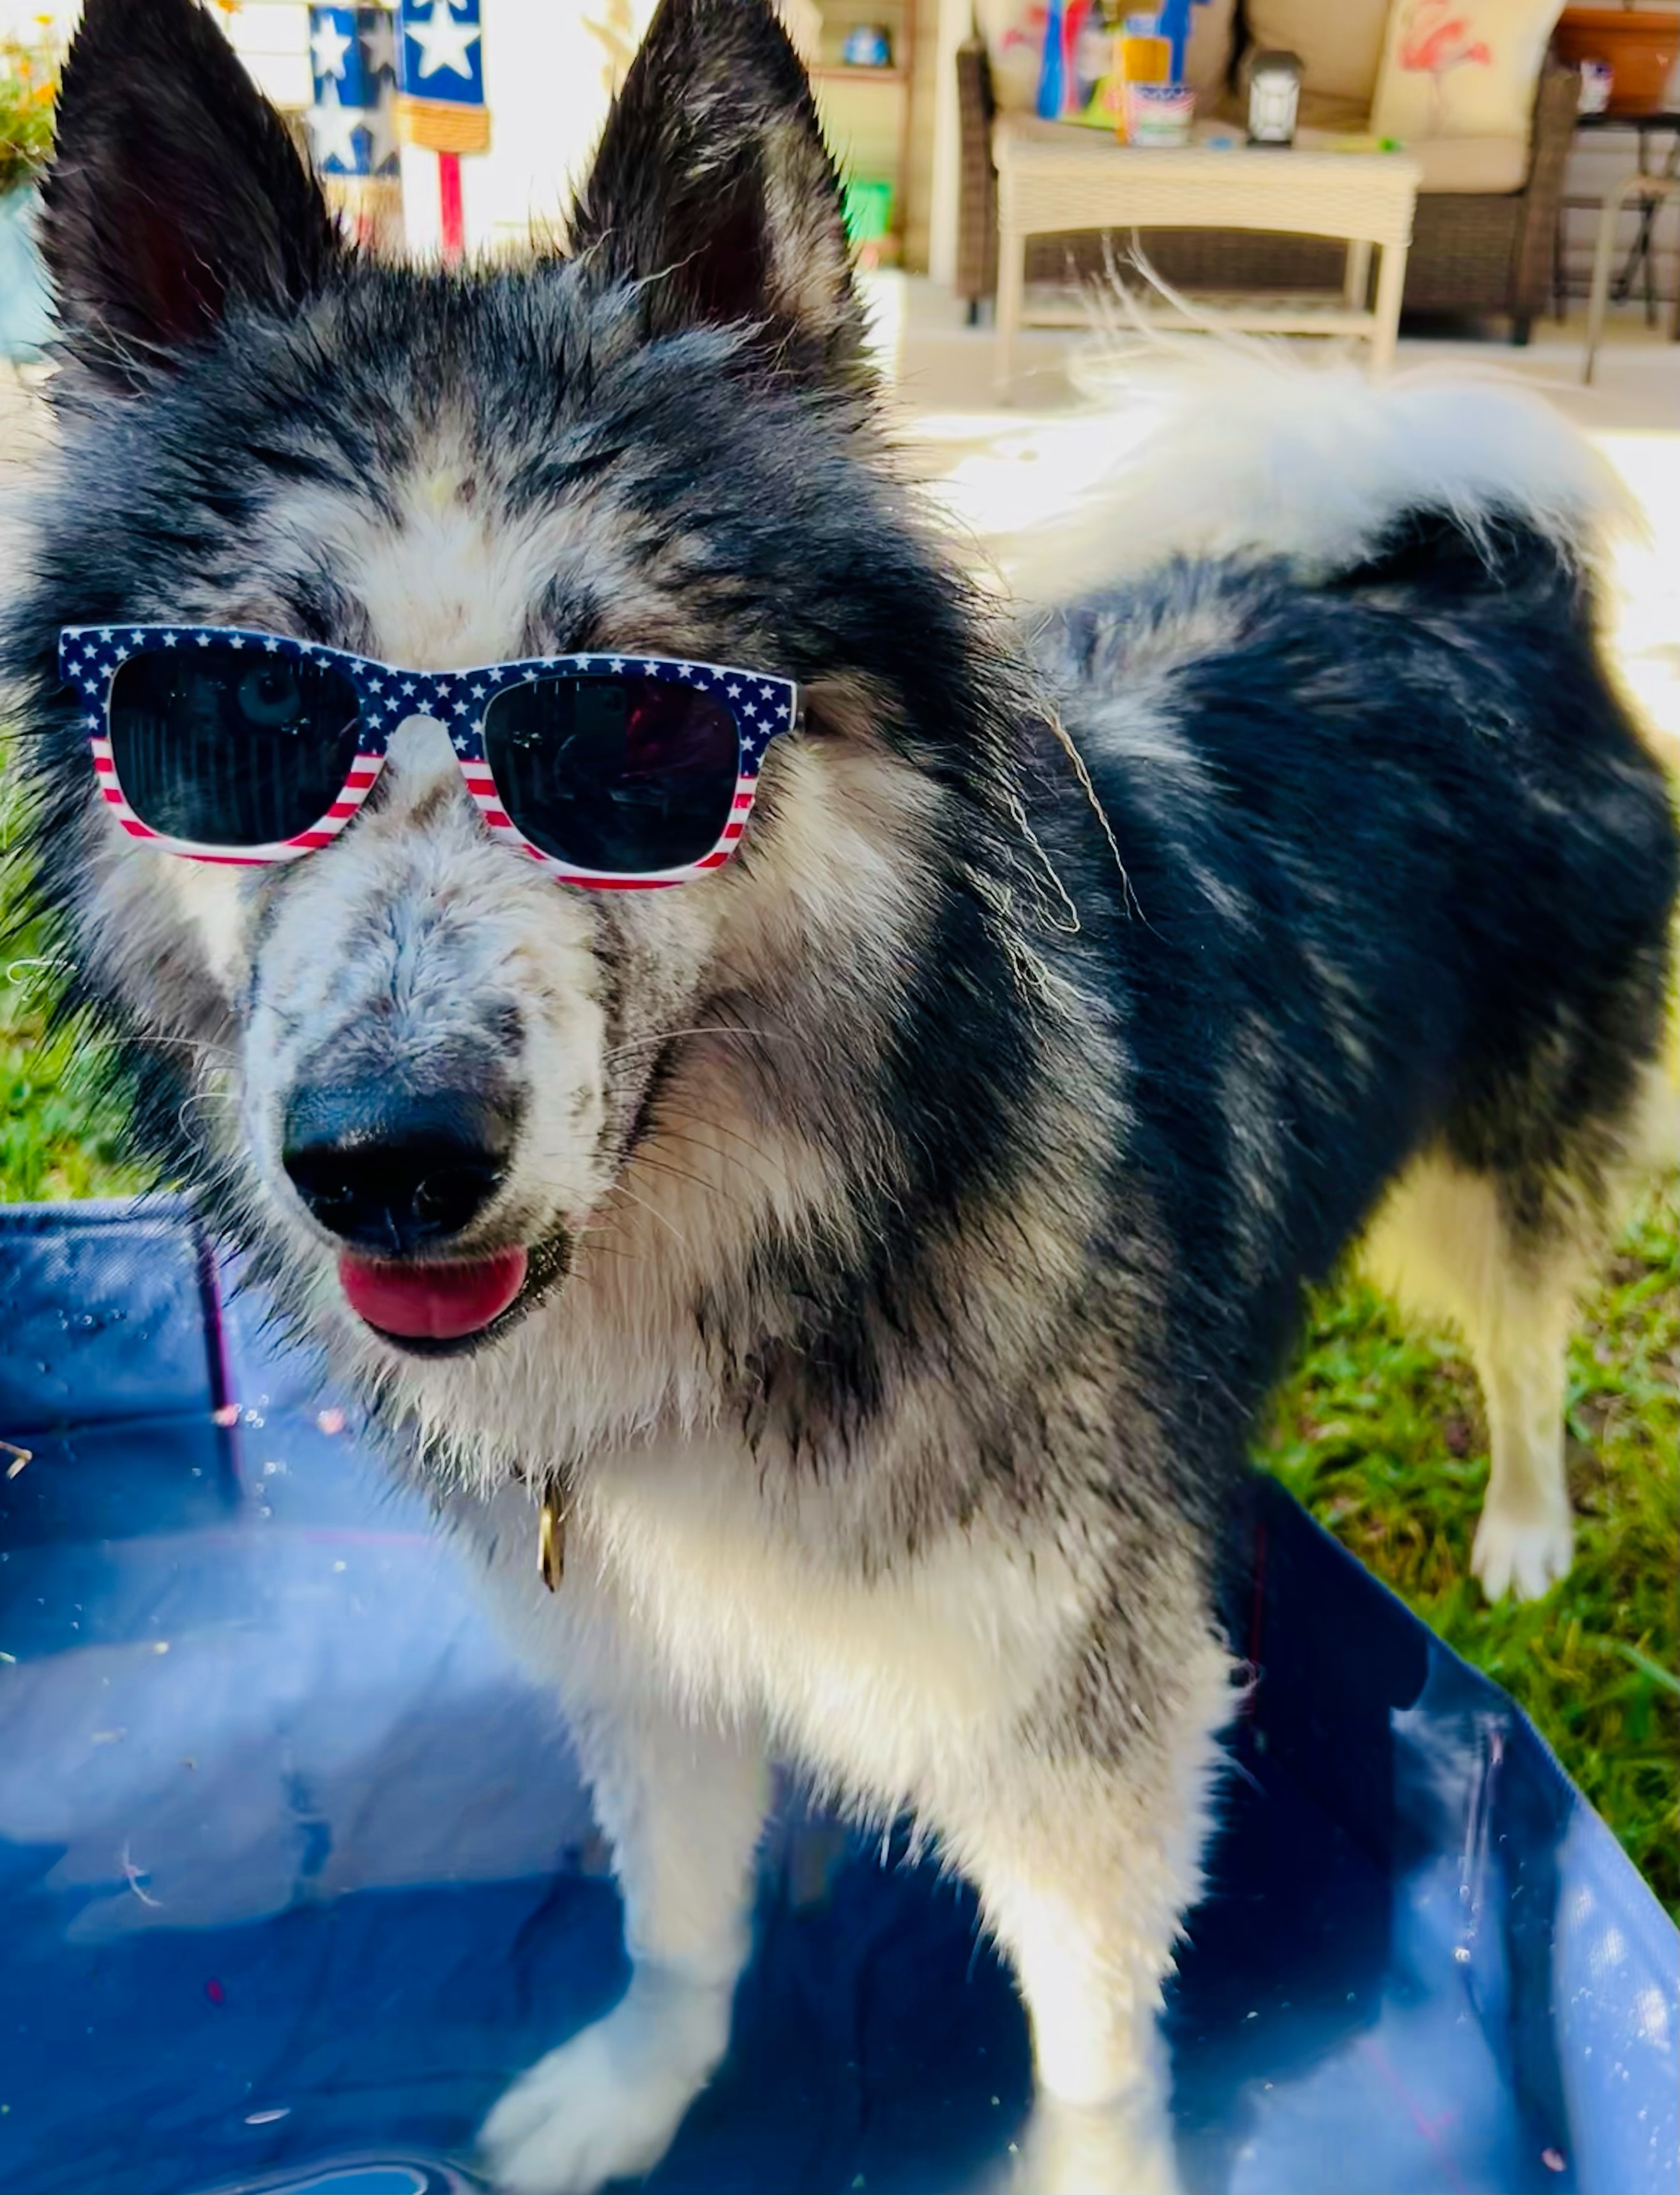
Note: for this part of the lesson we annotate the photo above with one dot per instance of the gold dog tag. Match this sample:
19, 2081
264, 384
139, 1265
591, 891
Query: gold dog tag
552, 1536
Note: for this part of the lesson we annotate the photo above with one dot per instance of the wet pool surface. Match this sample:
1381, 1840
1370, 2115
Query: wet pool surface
297, 1872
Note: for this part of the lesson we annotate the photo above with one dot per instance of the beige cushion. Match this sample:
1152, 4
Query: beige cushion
1321, 110
1446, 164
1462, 68
1340, 42
1207, 57
1014, 32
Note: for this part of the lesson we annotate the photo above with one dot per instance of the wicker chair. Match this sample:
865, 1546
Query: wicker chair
1471, 252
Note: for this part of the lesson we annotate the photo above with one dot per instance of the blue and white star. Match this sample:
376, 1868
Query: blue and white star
328, 45
445, 44
333, 126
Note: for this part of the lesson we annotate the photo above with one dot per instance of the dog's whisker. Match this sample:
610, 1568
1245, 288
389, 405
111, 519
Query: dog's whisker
624, 1255
760, 1179
704, 1028
644, 1160
621, 1186
666, 1125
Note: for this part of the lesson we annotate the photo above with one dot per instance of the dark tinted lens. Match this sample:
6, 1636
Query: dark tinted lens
231, 747
631, 775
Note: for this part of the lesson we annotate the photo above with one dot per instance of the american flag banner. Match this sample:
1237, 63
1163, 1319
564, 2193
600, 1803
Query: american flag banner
441, 96
440, 76
353, 64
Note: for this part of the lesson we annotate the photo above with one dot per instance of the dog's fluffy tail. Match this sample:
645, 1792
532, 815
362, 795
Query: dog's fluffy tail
1239, 454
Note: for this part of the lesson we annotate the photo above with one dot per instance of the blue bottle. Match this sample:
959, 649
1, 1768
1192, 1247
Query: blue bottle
1175, 24
1049, 69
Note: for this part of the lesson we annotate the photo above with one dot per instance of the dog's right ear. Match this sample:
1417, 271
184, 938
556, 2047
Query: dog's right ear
174, 191
714, 194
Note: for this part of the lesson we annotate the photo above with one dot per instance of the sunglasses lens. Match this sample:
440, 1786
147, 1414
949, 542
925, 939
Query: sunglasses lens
229, 746
624, 775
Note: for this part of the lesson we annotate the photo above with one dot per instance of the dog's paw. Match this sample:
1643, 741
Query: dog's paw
605, 2105
1523, 1554
1072, 2149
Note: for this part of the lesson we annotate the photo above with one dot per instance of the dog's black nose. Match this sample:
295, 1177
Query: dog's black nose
392, 1172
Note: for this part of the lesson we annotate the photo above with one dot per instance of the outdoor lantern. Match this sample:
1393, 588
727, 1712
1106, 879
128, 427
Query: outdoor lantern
1273, 94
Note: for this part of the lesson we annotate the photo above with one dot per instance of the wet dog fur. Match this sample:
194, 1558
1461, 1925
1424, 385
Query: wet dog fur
919, 1207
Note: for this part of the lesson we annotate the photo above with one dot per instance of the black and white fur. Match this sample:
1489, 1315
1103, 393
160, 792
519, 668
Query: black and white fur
933, 1187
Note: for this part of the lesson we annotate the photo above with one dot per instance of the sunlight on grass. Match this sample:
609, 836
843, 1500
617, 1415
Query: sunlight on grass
1380, 1433
61, 1134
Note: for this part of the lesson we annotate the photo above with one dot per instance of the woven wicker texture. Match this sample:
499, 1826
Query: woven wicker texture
977, 214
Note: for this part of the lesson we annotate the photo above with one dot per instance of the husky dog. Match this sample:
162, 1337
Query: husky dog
868, 1256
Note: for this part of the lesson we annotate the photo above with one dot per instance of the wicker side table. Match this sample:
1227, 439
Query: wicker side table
1052, 177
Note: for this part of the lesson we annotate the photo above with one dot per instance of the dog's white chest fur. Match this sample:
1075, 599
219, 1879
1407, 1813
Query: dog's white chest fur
883, 1681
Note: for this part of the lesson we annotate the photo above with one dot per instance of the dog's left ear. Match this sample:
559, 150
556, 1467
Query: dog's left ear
173, 192
713, 190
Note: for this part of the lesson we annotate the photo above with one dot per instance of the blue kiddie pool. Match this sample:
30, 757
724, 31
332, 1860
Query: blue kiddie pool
26, 318
297, 1871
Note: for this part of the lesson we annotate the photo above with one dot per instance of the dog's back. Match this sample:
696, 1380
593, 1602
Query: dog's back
1399, 880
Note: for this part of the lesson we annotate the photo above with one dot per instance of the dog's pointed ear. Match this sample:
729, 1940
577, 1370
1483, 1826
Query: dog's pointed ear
174, 191
714, 190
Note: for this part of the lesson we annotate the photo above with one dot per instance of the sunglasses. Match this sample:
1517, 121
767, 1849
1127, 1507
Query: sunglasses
613, 771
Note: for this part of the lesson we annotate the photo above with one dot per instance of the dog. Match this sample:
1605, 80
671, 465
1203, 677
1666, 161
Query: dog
832, 1296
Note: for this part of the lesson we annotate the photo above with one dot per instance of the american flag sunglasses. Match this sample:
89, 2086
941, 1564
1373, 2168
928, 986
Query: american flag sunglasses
614, 771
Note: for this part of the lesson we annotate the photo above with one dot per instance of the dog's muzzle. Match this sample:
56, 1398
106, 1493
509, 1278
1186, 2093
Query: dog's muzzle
400, 1177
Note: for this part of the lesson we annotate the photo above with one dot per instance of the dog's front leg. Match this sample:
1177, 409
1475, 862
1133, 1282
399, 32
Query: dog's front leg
1086, 1864
683, 1805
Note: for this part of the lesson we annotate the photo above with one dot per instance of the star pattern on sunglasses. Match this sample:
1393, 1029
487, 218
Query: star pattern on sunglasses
91, 659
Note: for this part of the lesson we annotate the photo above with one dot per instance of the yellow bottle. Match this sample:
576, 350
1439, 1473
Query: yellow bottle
1141, 55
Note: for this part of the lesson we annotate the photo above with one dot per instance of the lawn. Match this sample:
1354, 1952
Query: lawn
1379, 1431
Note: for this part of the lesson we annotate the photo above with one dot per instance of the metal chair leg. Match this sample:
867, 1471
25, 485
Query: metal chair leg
1601, 254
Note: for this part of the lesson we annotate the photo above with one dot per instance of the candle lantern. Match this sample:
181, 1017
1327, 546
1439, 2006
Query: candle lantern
1273, 96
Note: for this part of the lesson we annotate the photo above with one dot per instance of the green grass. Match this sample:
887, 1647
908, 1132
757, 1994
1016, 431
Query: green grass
60, 1135
1380, 1433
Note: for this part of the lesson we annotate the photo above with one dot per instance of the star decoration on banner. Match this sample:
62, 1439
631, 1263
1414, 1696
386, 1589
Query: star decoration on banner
379, 49
333, 127
328, 44
383, 149
445, 45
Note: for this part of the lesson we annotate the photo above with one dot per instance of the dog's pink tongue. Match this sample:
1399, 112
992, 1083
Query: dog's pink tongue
432, 1303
